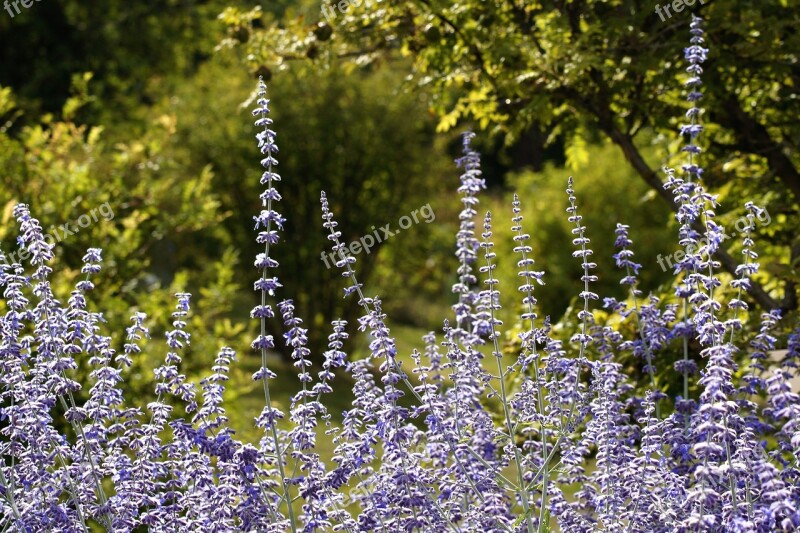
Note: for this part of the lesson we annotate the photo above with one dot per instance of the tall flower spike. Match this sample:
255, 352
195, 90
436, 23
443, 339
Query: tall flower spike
584, 253
177, 339
745, 271
748, 267
716, 419
644, 346
344, 261
685, 190
466, 242
576, 399
267, 221
524, 264
303, 412
104, 396
530, 355
689, 197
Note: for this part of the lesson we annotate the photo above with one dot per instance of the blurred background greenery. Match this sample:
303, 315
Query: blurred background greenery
147, 106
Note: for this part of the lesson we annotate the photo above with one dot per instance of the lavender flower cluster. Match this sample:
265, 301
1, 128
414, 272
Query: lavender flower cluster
553, 437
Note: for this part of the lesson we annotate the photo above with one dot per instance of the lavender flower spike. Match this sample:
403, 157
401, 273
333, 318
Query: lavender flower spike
267, 221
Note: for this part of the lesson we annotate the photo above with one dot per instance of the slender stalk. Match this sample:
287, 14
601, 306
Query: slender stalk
263, 328
647, 346
491, 282
686, 360
9, 496
79, 430
75, 425
528, 300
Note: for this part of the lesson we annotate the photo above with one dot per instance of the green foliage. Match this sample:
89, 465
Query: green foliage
136, 50
567, 68
359, 136
132, 200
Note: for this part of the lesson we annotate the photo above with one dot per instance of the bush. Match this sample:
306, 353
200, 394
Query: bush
330, 138
552, 437
135, 200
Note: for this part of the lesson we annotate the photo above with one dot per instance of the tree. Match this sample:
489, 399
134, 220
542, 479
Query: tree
137, 51
565, 67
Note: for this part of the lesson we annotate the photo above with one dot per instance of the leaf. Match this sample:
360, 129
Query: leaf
576, 152
448, 121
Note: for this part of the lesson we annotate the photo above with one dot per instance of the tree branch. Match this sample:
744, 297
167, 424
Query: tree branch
755, 138
632, 154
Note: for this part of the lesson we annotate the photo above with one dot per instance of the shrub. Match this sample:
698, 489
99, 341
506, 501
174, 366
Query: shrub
550, 437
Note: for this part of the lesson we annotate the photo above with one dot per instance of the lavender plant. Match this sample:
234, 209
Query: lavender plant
550, 437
